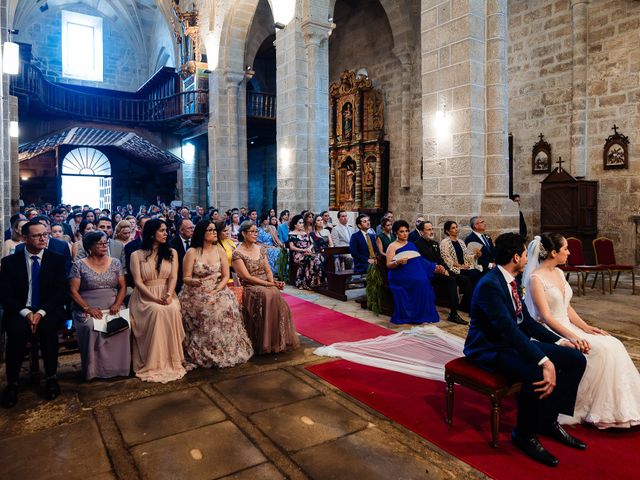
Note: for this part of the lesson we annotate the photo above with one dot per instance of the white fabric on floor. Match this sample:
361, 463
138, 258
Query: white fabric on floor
421, 351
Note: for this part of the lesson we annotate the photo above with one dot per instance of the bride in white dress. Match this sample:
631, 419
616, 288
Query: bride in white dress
609, 392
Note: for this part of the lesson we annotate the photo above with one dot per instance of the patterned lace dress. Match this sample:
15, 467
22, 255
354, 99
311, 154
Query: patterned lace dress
267, 317
214, 331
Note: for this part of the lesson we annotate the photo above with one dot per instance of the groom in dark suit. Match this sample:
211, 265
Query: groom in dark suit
363, 245
504, 338
33, 292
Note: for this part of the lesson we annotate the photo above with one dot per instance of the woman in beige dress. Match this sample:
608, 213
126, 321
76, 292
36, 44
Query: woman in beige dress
267, 317
154, 308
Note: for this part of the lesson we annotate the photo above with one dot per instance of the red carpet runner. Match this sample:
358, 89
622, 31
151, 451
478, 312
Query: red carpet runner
419, 405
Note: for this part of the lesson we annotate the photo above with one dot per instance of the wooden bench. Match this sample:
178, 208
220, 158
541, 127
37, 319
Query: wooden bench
494, 385
337, 280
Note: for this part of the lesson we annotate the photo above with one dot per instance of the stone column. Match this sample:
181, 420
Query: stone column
579, 104
317, 53
464, 113
404, 55
15, 164
291, 118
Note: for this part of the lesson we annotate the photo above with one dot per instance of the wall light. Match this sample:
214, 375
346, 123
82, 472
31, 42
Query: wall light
212, 44
11, 58
284, 158
442, 121
188, 153
13, 129
283, 12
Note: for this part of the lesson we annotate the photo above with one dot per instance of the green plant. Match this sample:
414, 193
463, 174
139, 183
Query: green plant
282, 265
374, 289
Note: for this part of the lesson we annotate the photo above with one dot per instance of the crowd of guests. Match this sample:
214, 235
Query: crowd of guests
204, 292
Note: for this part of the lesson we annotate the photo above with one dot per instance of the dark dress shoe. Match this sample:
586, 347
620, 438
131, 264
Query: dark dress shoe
51, 389
10, 396
534, 449
556, 432
455, 318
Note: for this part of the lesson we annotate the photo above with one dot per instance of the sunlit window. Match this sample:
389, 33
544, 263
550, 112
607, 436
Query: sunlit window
81, 46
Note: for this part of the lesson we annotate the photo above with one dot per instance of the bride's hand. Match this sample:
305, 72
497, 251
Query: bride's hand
595, 331
581, 344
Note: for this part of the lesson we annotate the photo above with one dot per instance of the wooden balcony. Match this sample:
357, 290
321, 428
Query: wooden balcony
175, 111
261, 105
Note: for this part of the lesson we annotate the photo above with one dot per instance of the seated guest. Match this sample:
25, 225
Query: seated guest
268, 238
214, 332
310, 272
413, 297
477, 235
181, 244
154, 308
77, 250
283, 228
385, 236
386, 216
53, 244
307, 217
415, 233
341, 236
12, 220
503, 337
235, 225
430, 250
129, 248
57, 232
122, 232
96, 284
320, 236
363, 245
267, 317
16, 237
33, 293
224, 240
455, 254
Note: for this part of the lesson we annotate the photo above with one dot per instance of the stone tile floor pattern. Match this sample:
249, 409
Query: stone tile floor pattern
267, 419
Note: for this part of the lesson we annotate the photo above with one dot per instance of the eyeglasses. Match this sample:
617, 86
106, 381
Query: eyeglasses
210, 230
252, 231
102, 244
40, 235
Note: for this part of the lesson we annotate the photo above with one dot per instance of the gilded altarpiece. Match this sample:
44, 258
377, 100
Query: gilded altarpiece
358, 152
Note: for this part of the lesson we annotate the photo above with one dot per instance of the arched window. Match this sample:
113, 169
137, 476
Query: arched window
86, 161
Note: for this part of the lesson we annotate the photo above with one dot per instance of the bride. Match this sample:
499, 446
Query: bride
609, 392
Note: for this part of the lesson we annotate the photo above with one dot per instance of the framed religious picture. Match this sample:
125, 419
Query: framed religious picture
616, 151
541, 156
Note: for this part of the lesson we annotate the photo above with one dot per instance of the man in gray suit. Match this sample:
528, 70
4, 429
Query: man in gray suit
116, 249
341, 236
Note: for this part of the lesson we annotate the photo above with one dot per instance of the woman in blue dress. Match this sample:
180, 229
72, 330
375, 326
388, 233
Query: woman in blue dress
267, 237
409, 281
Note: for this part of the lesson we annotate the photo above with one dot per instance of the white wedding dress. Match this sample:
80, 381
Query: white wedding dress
609, 392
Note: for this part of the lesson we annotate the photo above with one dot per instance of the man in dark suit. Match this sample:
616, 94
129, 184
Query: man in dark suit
478, 227
52, 244
415, 233
33, 292
181, 244
363, 245
430, 250
503, 337
523, 225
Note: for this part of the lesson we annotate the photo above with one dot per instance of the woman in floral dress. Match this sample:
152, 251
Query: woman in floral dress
310, 272
214, 332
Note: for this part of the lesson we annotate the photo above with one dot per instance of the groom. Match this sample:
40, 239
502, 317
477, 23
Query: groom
504, 338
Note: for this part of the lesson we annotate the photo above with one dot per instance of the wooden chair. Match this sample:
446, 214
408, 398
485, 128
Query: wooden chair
576, 263
493, 385
606, 257
337, 280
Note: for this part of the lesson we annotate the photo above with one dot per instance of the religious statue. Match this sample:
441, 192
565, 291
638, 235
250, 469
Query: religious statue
347, 121
350, 182
369, 174
187, 33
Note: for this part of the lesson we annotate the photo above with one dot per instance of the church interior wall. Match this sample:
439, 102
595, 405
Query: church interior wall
363, 38
125, 65
540, 63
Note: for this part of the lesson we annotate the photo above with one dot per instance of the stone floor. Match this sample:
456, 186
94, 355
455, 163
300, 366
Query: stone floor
267, 419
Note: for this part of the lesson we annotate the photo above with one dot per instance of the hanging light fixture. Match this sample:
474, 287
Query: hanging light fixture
11, 58
13, 129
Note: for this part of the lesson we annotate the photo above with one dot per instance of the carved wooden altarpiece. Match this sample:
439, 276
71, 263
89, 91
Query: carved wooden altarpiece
358, 152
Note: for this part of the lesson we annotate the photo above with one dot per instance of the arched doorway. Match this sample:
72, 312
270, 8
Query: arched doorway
86, 178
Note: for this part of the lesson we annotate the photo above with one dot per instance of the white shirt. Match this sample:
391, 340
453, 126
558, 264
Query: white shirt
184, 242
510, 278
26, 311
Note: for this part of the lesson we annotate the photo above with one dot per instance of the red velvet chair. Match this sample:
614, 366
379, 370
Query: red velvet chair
575, 263
494, 385
606, 257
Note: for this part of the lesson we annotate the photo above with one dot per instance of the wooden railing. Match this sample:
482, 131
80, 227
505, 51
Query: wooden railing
261, 105
104, 107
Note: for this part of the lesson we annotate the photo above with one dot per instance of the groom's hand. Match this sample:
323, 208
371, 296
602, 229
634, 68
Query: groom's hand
548, 382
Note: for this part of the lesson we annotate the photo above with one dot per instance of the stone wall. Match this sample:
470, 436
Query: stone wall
363, 38
545, 62
125, 65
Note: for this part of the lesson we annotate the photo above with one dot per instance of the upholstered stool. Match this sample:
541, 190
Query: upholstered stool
494, 385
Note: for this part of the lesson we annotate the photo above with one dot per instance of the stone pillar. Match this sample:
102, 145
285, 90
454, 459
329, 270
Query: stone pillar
579, 104
317, 53
227, 152
404, 55
15, 164
464, 113
291, 118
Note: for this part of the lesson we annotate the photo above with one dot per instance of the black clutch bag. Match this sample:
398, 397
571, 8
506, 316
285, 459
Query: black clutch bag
116, 325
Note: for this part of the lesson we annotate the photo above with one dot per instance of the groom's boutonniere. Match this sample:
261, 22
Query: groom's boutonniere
523, 292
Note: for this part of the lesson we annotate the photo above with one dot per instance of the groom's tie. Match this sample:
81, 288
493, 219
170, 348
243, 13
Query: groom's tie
516, 298
35, 282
